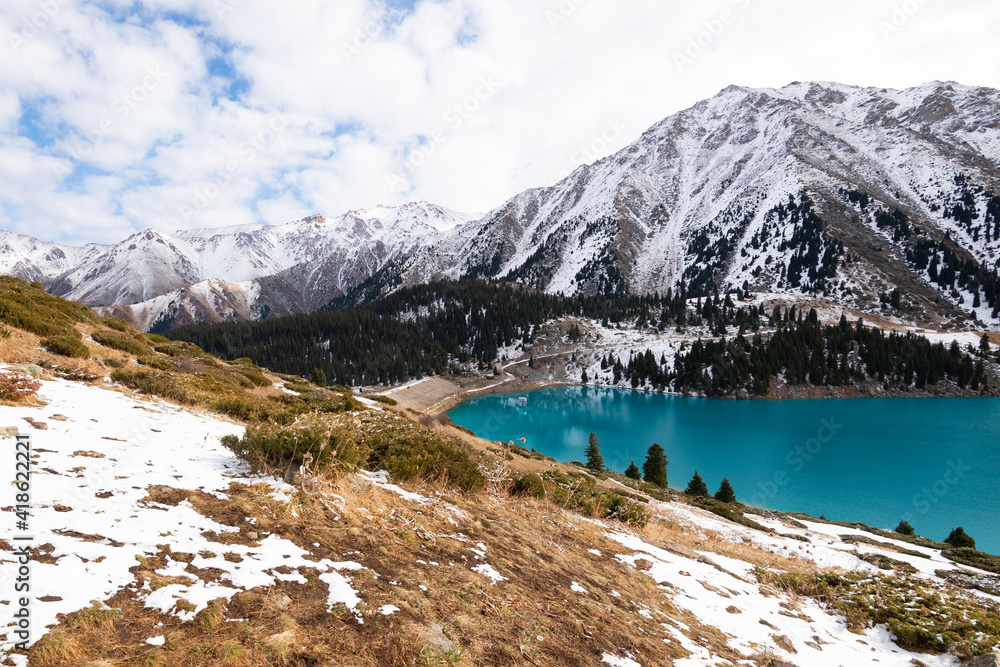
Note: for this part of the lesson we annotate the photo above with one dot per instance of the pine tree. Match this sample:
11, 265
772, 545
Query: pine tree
725, 492
584, 379
595, 461
958, 538
904, 528
696, 487
654, 470
632, 472
318, 377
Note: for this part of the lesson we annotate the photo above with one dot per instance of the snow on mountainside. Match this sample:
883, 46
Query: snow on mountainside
31, 259
248, 271
816, 188
755, 186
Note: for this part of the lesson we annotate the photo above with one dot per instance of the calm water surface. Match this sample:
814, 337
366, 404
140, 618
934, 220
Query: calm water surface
935, 462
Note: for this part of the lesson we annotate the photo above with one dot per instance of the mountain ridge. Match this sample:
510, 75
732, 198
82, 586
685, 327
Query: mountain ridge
772, 189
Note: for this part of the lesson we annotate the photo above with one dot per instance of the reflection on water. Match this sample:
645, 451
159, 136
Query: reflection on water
934, 461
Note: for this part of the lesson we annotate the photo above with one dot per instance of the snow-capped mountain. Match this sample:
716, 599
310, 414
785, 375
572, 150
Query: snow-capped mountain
31, 259
815, 188
158, 280
785, 190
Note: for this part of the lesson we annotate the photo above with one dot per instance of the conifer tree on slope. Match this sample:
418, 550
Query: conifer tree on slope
595, 461
654, 470
696, 487
958, 538
632, 472
725, 492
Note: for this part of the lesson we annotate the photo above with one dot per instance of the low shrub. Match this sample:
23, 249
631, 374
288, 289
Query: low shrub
527, 484
156, 339
298, 386
113, 363
169, 349
27, 306
864, 539
66, 346
917, 540
253, 409
123, 342
974, 558
626, 511
251, 373
919, 618
344, 403
159, 363
4, 331
728, 512
581, 494
883, 562
378, 398
268, 448
154, 384
16, 387
423, 454
238, 408
116, 324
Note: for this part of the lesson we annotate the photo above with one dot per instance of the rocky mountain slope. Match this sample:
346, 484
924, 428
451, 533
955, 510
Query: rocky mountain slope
157, 280
812, 189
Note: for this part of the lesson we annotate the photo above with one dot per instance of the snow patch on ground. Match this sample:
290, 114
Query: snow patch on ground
91, 479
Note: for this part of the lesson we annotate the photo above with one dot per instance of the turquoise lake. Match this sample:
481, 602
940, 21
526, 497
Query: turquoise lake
934, 462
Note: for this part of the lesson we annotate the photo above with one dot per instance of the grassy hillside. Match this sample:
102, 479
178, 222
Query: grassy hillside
463, 552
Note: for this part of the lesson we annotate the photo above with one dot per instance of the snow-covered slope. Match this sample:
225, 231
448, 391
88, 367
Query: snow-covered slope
28, 258
240, 272
696, 199
136, 501
815, 188
207, 301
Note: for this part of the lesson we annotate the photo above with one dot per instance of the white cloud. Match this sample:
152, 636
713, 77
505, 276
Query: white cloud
370, 92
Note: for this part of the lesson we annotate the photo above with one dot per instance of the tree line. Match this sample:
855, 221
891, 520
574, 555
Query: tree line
427, 329
803, 351
654, 471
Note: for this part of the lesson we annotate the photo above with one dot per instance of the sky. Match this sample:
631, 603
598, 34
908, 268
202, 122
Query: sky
118, 116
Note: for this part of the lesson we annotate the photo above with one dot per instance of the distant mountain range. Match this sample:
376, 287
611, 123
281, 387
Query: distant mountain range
157, 281
814, 188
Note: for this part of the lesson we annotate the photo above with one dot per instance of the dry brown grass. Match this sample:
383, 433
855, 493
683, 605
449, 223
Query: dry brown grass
422, 556
540, 548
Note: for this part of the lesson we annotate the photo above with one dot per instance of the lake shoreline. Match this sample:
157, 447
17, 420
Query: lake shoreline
785, 393
931, 463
